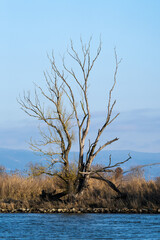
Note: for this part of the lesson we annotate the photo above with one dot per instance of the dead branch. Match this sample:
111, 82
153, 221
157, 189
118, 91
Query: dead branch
105, 169
140, 166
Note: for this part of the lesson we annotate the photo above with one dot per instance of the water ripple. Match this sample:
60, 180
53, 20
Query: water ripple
79, 226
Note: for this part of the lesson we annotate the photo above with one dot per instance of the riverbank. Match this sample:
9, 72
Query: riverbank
24, 194
82, 210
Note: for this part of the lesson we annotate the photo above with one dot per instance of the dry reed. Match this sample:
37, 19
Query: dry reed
20, 191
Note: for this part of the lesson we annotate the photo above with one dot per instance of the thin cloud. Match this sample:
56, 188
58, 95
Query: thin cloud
137, 130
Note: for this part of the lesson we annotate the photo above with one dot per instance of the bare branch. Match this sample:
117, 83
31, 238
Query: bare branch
91, 152
104, 145
140, 166
105, 169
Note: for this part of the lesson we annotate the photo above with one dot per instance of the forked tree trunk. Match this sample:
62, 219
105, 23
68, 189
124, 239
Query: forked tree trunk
83, 185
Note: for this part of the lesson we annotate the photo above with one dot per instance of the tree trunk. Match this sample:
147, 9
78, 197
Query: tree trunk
82, 184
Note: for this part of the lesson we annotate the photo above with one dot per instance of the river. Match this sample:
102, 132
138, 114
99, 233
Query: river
79, 226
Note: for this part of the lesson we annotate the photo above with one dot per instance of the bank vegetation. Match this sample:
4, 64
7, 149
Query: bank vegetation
34, 192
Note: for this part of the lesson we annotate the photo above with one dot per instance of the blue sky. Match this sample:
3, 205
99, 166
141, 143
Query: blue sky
31, 29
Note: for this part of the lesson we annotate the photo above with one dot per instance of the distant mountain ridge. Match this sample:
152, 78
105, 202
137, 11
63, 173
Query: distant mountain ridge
19, 159
13, 159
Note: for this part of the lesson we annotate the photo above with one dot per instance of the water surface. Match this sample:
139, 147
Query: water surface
79, 226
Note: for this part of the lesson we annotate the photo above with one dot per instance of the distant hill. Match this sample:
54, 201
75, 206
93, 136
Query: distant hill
138, 158
19, 159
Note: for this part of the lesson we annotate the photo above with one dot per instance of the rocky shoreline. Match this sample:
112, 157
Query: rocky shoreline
82, 210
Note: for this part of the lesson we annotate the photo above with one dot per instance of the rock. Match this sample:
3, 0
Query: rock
60, 210
53, 210
106, 210
65, 210
21, 210
125, 210
97, 210
13, 211
74, 210
3, 210
82, 210
133, 210
144, 210
118, 210
102, 210
89, 210
41, 210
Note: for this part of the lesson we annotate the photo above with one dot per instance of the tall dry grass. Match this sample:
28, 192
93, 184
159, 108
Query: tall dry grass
142, 193
22, 191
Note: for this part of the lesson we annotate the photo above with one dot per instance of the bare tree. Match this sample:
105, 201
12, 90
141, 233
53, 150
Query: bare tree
58, 139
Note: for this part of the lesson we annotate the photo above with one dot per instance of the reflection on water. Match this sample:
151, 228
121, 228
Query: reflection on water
79, 226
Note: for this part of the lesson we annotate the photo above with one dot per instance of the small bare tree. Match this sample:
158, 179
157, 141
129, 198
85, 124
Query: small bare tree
57, 140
